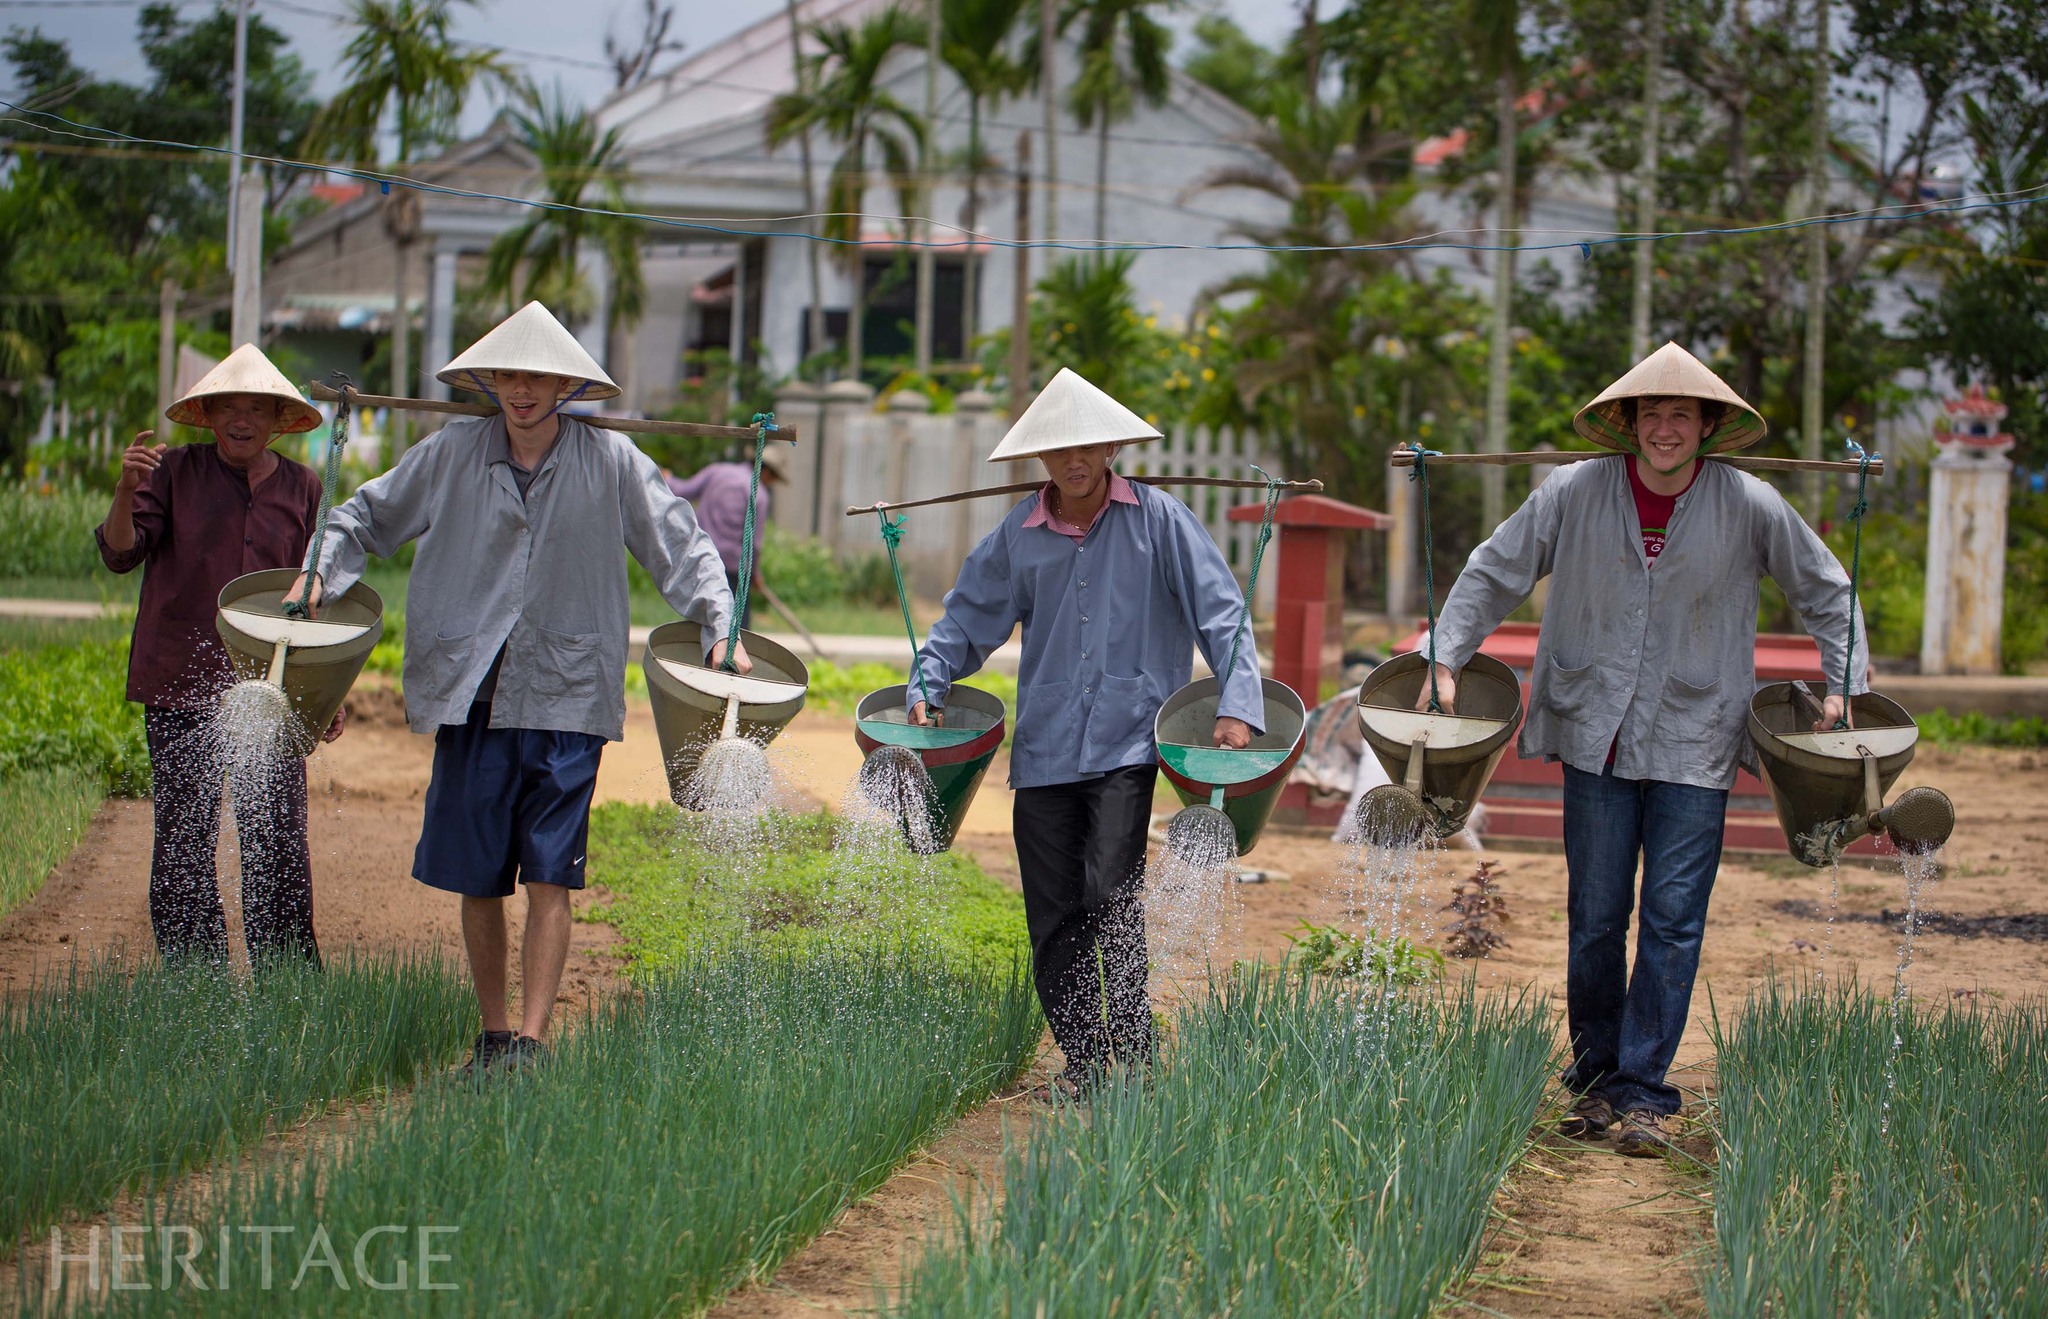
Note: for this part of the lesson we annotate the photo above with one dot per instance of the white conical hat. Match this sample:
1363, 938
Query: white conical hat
1067, 414
1667, 372
529, 340
247, 371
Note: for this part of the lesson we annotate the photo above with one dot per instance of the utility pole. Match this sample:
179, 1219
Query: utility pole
1810, 419
803, 143
1048, 78
1646, 183
1020, 290
237, 93
245, 313
927, 261
166, 344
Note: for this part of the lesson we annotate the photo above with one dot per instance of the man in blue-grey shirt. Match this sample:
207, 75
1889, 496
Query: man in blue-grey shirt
1115, 584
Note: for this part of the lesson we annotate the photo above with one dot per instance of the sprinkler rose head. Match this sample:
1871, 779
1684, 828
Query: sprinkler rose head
732, 776
1920, 821
1392, 817
1202, 836
896, 784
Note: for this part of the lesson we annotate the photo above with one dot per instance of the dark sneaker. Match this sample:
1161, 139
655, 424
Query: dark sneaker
1644, 1135
1587, 1120
524, 1054
489, 1047
1068, 1088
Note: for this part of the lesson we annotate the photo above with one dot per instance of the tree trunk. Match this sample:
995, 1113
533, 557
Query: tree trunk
1101, 174
1048, 78
813, 256
927, 259
856, 313
1646, 182
401, 345
1811, 421
1493, 480
969, 262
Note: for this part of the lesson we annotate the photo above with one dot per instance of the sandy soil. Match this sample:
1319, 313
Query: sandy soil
1584, 1232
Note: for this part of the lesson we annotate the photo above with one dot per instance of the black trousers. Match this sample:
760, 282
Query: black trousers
1081, 856
270, 826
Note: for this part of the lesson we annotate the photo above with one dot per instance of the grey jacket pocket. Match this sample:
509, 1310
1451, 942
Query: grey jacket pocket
1570, 693
1690, 712
1118, 715
565, 663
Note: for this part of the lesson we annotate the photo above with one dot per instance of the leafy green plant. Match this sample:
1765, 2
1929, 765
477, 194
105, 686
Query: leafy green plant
1974, 726
686, 1139
1863, 1174
673, 899
46, 811
66, 707
1289, 1154
46, 529
1330, 950
111, 1082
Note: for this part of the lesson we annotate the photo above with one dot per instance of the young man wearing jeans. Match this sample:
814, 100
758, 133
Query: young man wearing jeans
1643, 675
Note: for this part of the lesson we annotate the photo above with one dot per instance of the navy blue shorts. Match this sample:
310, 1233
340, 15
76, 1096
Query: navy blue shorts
506, 803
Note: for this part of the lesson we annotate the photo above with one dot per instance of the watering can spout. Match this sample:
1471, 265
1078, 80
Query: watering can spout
1919, 822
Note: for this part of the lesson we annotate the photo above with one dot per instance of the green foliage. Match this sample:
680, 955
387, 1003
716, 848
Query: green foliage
1979, 729
113, 1082
687, 1139
46, 811
674, 900
405, 76
1859, 1175
1227, 60
804, 571
1330, 950
46, 529
1295, 1151
2023, 640
66, 707
1084, 315
1891, 579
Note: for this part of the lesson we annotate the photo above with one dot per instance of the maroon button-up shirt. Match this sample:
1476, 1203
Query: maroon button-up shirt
197, 528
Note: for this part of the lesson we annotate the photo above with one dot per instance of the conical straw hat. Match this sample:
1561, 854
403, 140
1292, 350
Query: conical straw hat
247, 371
1670, 371
1067, 414
529, 340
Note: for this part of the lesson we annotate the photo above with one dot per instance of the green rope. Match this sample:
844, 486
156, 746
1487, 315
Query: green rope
892, 536
1420, 475
302, 607
1864, 459
763, 423
1244, 619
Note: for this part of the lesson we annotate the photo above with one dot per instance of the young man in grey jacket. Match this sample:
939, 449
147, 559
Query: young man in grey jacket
1643, 675
516, 634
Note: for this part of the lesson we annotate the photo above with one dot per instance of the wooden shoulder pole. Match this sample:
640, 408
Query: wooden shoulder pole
321, 393
1406, 458
1227, 482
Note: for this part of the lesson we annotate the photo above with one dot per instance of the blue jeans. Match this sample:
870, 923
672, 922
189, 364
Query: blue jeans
1625, 1029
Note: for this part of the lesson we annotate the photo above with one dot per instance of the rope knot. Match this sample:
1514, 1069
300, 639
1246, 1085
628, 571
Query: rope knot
892, 532
764, 423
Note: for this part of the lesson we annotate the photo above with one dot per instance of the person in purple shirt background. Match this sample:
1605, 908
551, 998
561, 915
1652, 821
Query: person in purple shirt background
194, 518
718, 493
1116, 584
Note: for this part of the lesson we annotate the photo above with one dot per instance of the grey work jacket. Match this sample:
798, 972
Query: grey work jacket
1656, 661
543, 577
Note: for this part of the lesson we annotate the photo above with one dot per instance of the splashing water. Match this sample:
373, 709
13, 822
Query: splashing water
1191, 900
1377, 885
1920, 869
1827, 939
730, 795
893, 788
885, 845
252, 728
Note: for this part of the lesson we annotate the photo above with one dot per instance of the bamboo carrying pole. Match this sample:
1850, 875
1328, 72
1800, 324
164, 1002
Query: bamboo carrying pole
1406, 458
321, 393
1227, 482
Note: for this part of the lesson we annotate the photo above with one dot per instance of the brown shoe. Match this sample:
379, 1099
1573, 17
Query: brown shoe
1587, 1120
1644, 1135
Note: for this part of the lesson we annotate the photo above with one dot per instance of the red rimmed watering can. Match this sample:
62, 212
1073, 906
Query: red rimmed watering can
1226, 793
933, 768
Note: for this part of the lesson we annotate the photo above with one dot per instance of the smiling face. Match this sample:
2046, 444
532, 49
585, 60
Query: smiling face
1669, 432
1080, 472
528, 397
243, 425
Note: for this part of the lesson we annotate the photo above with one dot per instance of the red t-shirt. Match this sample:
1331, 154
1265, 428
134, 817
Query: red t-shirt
1653, 511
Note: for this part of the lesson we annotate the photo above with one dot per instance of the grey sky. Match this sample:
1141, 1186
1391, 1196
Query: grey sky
533, 33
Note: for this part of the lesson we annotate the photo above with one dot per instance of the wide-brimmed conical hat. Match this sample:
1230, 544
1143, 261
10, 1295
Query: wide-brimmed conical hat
247, 371
1067, 414
529, 340
1670, 371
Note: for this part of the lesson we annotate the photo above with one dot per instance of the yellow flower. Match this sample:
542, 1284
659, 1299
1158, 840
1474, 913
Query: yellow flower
1849, 423
1208, 373
1424, 430
1358, 410
1215, 332
1151, 419
1151, 322
1070, 327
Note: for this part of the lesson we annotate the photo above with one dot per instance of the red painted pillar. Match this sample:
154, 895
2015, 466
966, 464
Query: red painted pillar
1308, 593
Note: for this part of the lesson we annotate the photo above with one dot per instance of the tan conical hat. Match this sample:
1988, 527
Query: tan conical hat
529, 340
247, 371
1067, 414
1669, 371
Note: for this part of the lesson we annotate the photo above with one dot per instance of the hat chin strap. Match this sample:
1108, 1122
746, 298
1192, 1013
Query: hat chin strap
487, 392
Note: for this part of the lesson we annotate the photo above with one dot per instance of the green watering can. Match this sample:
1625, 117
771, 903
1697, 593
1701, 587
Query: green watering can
1228, 794
940, 767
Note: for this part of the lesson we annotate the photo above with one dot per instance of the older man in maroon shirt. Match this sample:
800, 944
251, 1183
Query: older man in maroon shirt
196, 517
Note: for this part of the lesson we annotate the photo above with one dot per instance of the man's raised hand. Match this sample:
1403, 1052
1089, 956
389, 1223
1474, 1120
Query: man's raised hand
138, 460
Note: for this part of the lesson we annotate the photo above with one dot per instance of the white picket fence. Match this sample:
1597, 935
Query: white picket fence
852, 454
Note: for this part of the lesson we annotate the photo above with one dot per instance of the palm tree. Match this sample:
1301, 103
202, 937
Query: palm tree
842, 96
1123, 55
575, 161
974, 39
406, 77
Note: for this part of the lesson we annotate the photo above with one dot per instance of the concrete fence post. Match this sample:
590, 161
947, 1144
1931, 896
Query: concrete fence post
1967, 497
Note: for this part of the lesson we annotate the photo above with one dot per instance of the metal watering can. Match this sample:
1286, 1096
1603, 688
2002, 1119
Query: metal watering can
1829, 788
315, 660
696, 706
1225, 790
1440, 763
940, 766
